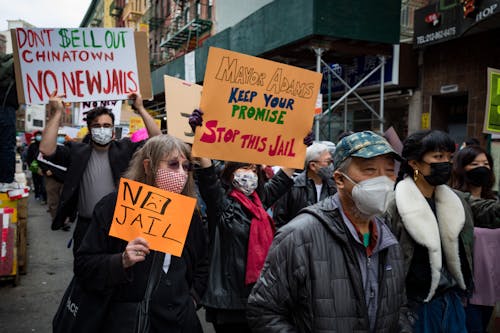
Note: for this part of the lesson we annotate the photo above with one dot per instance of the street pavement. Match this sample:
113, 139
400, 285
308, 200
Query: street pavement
30, 306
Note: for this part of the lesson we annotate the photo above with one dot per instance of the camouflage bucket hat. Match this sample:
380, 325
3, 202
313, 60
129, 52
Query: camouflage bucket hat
362, 144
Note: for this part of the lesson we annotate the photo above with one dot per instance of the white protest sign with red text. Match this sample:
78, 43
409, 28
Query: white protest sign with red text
84, 64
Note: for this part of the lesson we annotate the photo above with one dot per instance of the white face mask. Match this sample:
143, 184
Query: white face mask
372, 196
245, 181
102, 135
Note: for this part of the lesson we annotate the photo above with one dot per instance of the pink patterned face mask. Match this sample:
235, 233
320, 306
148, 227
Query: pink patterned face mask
171, 181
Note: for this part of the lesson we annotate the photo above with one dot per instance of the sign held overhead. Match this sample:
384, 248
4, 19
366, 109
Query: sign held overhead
83, 64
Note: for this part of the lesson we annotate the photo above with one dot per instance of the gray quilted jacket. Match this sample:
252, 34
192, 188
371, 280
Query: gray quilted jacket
312, 281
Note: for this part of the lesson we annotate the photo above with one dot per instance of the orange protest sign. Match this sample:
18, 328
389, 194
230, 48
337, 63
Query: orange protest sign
255, 110
160, 217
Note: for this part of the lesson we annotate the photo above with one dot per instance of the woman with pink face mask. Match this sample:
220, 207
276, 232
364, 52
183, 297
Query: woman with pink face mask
112, 266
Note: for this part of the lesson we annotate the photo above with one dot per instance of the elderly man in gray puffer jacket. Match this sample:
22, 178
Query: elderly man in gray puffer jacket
337, 267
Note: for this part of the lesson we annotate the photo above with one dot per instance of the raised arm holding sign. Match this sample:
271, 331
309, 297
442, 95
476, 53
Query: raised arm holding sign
83, 64
256, 110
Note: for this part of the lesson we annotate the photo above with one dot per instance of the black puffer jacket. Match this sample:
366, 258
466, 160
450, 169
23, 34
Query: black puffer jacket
312, 282
301, 195
229, 225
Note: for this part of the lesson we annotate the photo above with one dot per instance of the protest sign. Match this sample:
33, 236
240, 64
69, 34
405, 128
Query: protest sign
136, 123
255, 110
82, 64
492, 113
160, 217
181, 98
115, 106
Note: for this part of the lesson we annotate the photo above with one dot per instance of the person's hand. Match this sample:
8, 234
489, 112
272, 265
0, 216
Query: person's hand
196, 119
56, 103
309, 139
48, 173
135, 101
135, 252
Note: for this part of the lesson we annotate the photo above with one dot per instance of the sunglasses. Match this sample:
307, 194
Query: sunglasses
175, 165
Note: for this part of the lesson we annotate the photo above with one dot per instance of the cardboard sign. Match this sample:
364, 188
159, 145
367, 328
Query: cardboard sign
492, 113
136, 123
181, 98
115, 106
160, 217
83, 64
255, 110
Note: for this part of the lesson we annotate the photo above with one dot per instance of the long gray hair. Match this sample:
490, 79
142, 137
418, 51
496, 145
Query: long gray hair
155, 149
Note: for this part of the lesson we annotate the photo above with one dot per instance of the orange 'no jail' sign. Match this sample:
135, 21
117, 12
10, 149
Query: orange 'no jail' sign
160, 217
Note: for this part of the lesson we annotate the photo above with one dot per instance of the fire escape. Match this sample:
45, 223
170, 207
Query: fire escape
187, 26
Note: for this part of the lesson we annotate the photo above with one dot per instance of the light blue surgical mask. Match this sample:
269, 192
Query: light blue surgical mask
60, 139
38, 137
102, 135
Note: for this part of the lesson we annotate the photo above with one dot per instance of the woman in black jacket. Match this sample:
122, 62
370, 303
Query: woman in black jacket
240, 235
111, 265
473, 175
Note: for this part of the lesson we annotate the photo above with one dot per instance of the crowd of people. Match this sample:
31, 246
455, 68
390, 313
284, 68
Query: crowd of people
363, 239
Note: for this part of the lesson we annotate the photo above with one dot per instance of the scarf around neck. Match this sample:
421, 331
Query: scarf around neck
261, 234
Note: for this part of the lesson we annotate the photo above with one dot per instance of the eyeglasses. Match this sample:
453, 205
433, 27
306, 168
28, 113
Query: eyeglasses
175, 165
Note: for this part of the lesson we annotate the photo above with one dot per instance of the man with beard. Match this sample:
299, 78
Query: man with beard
314, 184
95, 168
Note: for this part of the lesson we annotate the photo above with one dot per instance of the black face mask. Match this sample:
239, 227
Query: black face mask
479, 176
440, 173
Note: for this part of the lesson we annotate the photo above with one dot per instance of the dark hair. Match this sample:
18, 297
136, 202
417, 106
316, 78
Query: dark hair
471, 142
231, 167
97, 112
465, 157
418, 144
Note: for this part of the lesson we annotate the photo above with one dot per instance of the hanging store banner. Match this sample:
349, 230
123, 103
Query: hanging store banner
255, 110
83, 65
492, 113
446, 20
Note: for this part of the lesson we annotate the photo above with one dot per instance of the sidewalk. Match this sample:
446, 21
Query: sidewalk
30, 306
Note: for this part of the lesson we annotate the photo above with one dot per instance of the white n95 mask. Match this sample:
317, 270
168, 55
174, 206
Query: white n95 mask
372, 196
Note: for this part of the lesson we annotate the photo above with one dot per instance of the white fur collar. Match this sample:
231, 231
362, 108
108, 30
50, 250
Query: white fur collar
421, 224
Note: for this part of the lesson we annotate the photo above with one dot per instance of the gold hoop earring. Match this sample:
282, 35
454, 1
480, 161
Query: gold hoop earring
415, 175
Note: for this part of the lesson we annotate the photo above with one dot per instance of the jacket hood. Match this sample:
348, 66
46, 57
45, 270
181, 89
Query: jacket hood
422, 225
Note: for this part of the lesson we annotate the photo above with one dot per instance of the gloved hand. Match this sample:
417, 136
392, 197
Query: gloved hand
196, 119
308, 139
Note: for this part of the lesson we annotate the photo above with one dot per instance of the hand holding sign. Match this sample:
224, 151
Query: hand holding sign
196, 119
56, 103
256, 110
161, 218
135, 101
135, 252
309, 139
